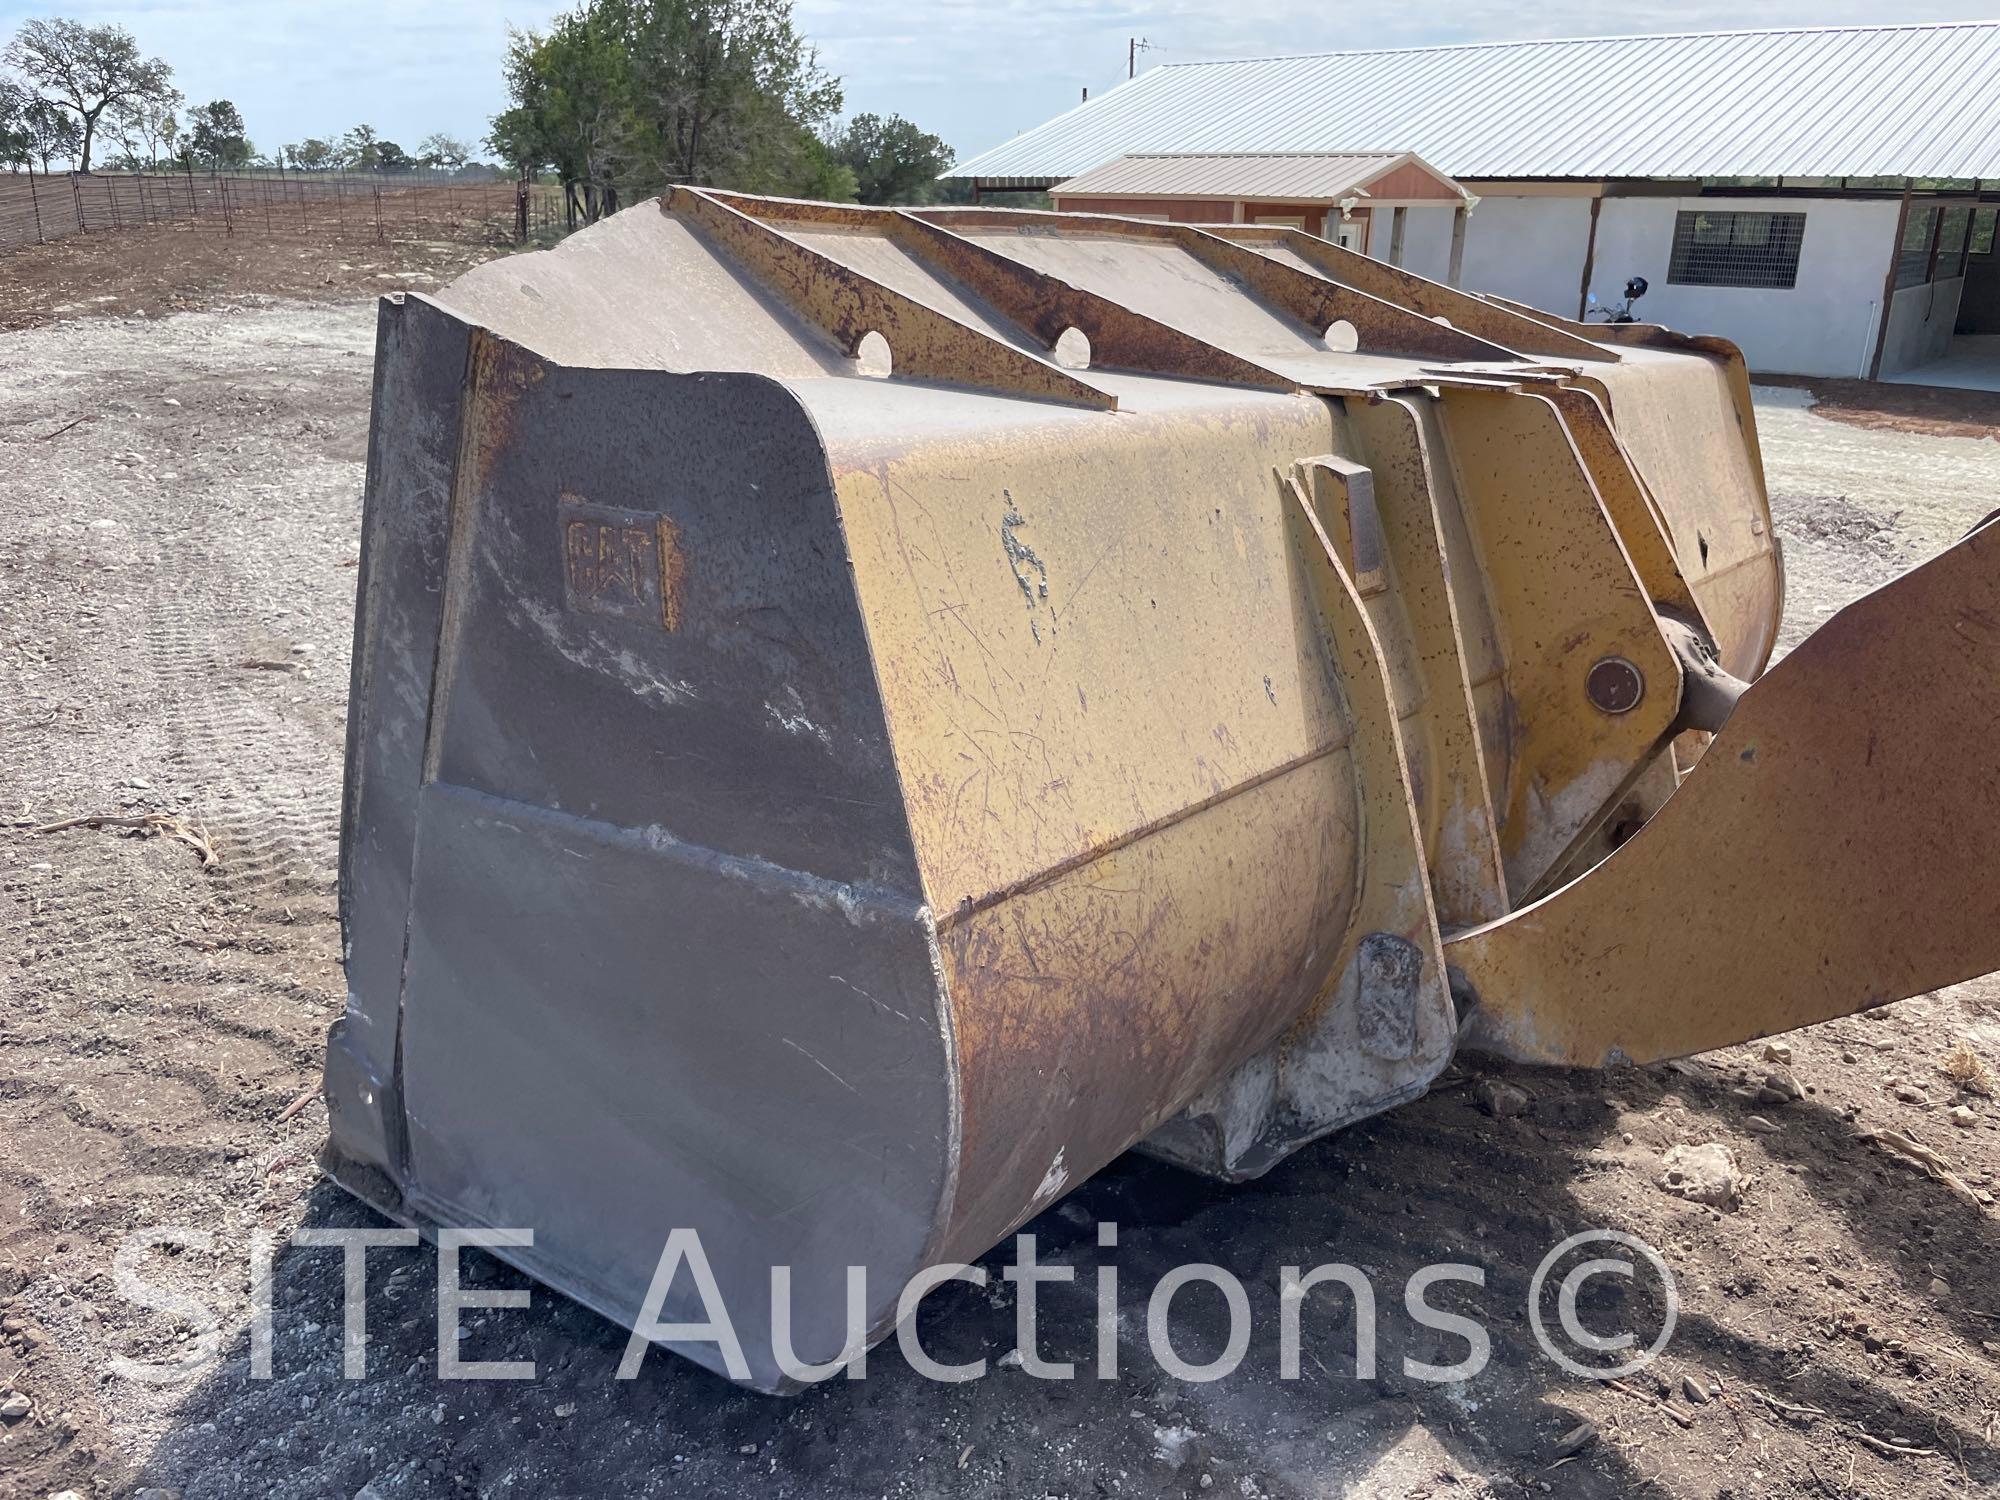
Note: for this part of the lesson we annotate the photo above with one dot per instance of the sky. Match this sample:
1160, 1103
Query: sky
976, 72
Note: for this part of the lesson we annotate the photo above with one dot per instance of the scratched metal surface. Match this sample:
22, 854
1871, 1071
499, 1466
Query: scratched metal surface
841, 813
1847, 778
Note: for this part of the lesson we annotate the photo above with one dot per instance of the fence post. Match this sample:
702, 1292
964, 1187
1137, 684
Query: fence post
377, 188
76, 196
187, 162
36, 202
521, 212
222, 186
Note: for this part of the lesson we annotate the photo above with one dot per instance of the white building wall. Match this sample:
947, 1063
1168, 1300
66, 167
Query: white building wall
1920, 324
1427, 242
1825, 325
1528, 248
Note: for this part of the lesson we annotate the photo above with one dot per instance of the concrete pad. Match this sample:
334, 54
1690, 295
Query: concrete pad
1972, 363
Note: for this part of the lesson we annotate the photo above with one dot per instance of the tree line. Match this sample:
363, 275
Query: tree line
87, 94
615, 99
618, 98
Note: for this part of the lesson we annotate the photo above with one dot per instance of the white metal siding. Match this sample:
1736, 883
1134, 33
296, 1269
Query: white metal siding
1823, 325
1529, 249
1427, 242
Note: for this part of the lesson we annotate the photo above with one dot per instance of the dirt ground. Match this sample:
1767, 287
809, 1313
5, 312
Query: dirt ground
1933, 410
179, 500
168, 269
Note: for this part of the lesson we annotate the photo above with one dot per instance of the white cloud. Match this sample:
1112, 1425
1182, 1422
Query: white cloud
976, 73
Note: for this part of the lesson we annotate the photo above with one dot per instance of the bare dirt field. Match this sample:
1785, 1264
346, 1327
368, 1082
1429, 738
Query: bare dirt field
169, 268
179, 502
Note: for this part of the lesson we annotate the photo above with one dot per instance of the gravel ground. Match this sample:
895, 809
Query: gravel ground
1857, 505
179, 499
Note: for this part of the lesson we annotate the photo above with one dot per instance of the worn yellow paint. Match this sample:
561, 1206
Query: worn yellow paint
1337, 608
848, 307
1082, 625
1564, 596
1461, 842
1626, 499
1793, 876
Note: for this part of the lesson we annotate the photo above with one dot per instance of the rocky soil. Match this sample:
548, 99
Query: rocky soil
179, 497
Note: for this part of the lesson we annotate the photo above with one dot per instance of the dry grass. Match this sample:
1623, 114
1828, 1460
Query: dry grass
1968, 1069
149, 825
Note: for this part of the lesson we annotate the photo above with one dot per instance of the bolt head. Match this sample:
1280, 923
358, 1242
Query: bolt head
1615, 686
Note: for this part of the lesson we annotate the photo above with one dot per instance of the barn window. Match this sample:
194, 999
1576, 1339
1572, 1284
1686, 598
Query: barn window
1913, 256
1951, 243
1736, 249
1982, 230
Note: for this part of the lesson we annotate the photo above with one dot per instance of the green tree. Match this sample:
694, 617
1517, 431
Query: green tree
735, 94
390, 157
86, 70
620, 97
53, 133
892, 160
359, 148
216, 135
313, 154
149, 127
440, 150
573, 110
17, 142
821, 174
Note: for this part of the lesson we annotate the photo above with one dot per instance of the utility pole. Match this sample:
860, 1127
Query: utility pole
1133, 47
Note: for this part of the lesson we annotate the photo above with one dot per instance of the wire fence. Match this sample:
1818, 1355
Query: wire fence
38, 207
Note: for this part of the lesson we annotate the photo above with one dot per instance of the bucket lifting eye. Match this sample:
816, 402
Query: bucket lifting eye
872, 356
1072, 350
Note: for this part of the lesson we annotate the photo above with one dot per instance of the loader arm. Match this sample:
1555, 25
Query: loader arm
1835, 849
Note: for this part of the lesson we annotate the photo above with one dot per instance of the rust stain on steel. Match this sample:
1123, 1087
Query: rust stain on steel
620, 562
1310, 1079
1626, 498
1564, 594
1382, 327
1460, 840
847, 306
1089, 1009
495, 373
1042, 305
1503, 326
1048, 305
1793, 876
673, 573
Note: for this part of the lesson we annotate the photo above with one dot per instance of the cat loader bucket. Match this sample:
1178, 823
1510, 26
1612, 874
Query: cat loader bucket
862, 715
